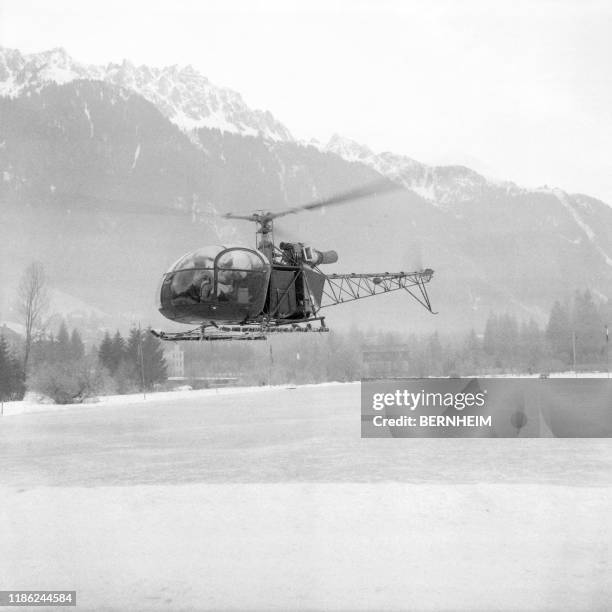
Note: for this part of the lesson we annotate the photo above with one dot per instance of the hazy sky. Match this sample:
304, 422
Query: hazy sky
522, 90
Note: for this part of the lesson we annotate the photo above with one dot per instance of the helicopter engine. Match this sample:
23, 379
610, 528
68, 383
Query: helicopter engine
297, 253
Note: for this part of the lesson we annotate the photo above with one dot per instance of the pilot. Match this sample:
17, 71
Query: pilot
198, 289
205, 286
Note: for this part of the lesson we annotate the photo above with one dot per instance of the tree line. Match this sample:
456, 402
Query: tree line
135, 363
59, 366
575, 332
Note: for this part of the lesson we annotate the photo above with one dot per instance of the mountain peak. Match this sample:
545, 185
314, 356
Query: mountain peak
348, 149
57, 56
181, 93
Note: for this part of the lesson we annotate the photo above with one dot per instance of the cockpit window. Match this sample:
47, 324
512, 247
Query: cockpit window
203, 258
239, 275
240, 259
219, 278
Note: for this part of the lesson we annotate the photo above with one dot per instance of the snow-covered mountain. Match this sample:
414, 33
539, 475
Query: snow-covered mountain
448, 187
190, 101
182, 94
443, 186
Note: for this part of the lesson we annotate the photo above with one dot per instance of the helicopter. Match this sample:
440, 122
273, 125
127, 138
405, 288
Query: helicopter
244, 293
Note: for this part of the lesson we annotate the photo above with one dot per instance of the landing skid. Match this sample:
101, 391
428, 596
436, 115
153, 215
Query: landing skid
207, 333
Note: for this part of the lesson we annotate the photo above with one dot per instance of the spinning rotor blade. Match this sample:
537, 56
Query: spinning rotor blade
376, 188
87, 203
79, 202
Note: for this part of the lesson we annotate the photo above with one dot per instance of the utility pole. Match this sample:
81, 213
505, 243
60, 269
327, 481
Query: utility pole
607, 351
141, 359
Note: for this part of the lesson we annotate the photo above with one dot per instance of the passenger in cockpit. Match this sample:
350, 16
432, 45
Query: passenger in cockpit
231, 273
228, 282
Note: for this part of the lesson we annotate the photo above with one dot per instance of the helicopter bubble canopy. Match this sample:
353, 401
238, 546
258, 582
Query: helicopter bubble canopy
202, 258
215, 283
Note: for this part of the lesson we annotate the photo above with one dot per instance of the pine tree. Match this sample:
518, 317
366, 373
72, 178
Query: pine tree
77, 348
559, 334
134, 358
63, 343
105, 352
153, 360
11, 374
118, 350
133, 345
508, 341
18, 387
6, 373
588, 327
531, 346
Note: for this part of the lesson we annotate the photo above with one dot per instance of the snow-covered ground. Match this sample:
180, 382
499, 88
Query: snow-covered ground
269, 499
33, 404
313, 546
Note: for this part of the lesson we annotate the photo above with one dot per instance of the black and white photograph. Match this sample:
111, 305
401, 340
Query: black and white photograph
306, 305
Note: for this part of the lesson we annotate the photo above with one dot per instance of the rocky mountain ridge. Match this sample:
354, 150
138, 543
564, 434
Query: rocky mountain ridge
182, 94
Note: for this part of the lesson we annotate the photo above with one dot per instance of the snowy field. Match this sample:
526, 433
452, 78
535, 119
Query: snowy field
269, 499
